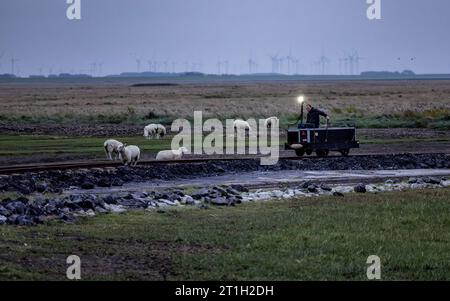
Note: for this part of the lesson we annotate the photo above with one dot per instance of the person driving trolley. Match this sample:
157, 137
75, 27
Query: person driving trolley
314, 114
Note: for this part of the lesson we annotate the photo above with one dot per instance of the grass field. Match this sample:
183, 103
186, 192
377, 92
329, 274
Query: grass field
14, 145
322, 238
379, 104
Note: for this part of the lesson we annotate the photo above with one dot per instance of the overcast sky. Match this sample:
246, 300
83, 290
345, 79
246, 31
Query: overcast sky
195, 34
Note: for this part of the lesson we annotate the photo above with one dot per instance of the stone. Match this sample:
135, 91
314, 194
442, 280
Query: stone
200, 193
104, 182
16, 207
325, 187
4, 211
188, 200
3, 219
312, 188
41, 188
220, 201
431, 180
360, 188
412, 180
337, 193
87, 185
115, 208
109, 199
239, 187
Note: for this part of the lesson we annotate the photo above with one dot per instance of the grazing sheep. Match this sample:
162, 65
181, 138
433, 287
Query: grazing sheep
112, 147
171, 154
241, 124
154, 130
130, 154
271, 121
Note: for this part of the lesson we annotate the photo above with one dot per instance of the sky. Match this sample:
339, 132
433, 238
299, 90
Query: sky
116, 36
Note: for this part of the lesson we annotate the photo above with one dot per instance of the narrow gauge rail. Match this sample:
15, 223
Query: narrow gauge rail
24, 168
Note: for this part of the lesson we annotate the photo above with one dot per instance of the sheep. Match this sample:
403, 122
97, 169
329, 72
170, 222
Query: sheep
171, 154
241, 124
271, 121
130, 154
112, 147
154, 130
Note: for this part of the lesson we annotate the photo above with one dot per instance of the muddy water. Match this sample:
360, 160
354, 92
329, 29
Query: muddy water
275, 178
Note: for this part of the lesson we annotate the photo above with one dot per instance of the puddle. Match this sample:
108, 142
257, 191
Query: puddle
272, 178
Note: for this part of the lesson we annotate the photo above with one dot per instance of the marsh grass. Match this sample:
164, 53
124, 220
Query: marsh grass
323, 238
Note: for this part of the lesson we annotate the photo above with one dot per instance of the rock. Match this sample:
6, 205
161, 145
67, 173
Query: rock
306, 184
100, 209
116, 182
109, 199
412, 180
22, 199
203, 206
4, 211
104, 182
221, 201
389, 181
115, 208
12, 219
3, 219
221, 190
41, 188
67, 217
200, 193
23, 220
325, 187
188, 200
239, 187
337, 193
431, 180
16, 207
360, 188
312, 188
87, 185
232, 191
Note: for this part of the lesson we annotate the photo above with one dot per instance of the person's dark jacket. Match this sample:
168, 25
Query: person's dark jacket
314, 116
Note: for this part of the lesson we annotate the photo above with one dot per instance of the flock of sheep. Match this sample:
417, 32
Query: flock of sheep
130, 154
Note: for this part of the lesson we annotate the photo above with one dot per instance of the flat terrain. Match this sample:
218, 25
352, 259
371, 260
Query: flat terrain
60, 121
368, 103
316, 238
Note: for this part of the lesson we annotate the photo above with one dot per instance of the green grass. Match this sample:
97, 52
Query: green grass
437, 118
16, 145
321, 238
44, 144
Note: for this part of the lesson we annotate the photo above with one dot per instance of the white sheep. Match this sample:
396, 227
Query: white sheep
241, 124
154, 130
171, 154
130, 154
271, 121
112, 147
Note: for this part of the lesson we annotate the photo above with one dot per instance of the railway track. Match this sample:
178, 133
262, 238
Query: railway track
23, 168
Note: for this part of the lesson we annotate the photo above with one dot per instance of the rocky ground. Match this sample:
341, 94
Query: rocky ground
56, 181
26, 211
47, 195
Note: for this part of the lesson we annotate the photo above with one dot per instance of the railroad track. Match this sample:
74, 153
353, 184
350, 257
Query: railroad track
23, 168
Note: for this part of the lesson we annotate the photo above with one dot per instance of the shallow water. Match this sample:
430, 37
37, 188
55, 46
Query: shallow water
273, 178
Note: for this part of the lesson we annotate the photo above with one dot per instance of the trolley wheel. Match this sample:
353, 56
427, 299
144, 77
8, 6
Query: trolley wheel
300, 152
308, 151
322, 152
344, 152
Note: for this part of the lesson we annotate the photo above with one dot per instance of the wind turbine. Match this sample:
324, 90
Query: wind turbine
138, 64
275, 63
13, 62
323, 62
1, 56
